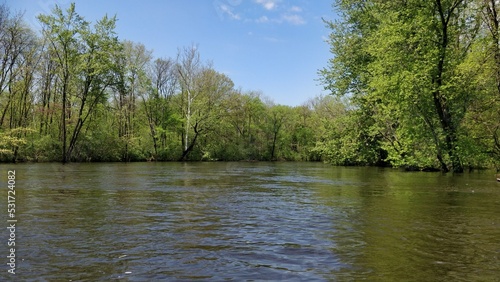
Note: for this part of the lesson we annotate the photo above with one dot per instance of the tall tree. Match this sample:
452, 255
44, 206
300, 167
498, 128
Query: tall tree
157, 104
212, 90
406, 68
491, 12
277, 116
61, 30
188, 69
245, 114
83, 55
131, 83
95, 73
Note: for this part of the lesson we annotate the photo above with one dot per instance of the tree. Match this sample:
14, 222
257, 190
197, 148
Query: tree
131, 82
61, 30
491, 13
212, 89
188, 68
238, 134
96, 72
406, 69
20, 53
157, 104
84, 67
277, 116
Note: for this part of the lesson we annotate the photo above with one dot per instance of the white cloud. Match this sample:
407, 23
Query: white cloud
262, 19
288, 14
293, 19
228, 11
268, 4
272, 39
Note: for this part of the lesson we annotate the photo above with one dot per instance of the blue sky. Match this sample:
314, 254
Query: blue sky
272, 46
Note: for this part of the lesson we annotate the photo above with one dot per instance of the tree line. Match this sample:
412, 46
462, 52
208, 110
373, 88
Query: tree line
416, 84
76, 92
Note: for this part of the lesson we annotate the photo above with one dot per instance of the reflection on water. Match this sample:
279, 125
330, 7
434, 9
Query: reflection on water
246, 221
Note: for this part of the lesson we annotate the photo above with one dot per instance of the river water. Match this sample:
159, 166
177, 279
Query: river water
250, 221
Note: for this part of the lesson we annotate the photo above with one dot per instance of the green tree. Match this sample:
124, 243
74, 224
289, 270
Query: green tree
238, 136
277, 117
212, 90
61, 30
402, 61
341, 133
491, 109
131, 83
189, 67
157, 104
96, 72
84, 67
19, 53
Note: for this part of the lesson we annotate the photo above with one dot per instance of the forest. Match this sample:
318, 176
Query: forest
414, 84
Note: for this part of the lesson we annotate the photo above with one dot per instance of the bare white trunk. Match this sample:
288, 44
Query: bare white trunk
188, 121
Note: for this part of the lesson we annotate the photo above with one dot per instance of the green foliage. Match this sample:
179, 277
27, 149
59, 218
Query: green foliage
11, 141
416, 85
416, 70
42, 149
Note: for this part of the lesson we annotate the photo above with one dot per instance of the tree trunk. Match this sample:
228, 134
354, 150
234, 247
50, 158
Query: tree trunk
191, 146
273, 148
63, 120
440, 102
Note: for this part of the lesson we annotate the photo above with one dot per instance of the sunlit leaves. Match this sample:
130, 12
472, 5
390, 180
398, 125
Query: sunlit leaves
412, 65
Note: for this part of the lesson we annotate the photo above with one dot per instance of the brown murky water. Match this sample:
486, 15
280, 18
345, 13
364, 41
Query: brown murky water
250, 221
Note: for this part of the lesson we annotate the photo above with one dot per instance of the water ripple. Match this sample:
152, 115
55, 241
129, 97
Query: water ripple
213, 222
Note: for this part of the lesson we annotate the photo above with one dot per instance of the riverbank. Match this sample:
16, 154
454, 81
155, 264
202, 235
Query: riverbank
402, 169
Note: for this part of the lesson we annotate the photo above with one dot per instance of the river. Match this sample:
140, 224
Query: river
249, 221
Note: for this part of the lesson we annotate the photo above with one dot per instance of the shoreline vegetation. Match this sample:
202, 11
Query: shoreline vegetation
408, 90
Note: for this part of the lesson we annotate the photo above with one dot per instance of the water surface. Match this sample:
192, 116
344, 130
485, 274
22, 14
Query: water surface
251, 221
